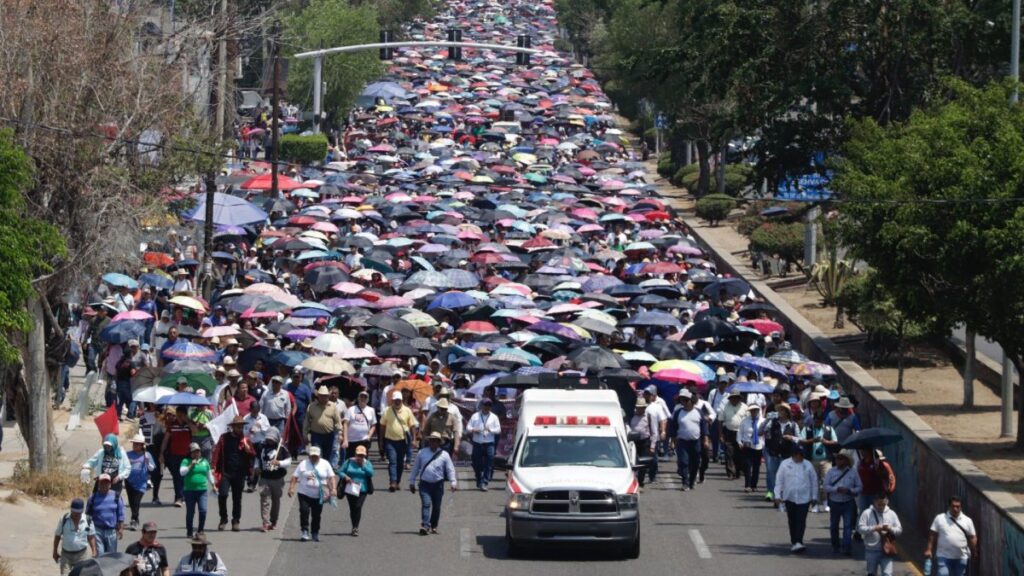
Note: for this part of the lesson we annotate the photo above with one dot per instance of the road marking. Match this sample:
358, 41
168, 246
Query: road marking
698, 542
465, 546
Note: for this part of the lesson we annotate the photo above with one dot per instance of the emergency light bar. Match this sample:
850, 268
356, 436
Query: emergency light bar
572, 421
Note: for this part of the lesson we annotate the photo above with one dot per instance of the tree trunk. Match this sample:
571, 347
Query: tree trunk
37, 429
720, 167
704, 157
901, 351
840, 318
969, 338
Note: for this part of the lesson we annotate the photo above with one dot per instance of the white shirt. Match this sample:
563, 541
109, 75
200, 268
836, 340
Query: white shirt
952, 542
745, 436
309, 484
485, 428
688, 422
255, 429
871, 518
705, 408
360, 420
796, 483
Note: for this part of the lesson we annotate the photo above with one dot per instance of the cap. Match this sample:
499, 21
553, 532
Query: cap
396, 395
133, 342
276, 379
323, 391
363, 394
181, 380
735, 394
652, 389
313, 451
421, 369
194, 447
442, 404
686, 394
754, 407
150, 526
360, 450
78, 505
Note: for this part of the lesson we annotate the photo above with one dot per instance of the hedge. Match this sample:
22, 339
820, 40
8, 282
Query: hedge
311, 149
715, 207
687, 176
665, 166
786, 240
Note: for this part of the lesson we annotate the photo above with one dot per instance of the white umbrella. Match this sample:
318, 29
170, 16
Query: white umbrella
150, 394
332, 343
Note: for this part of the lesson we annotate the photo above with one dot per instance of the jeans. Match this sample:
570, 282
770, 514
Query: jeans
751, 467
875, 561
134, 500
847, 512
646, 448
236, 484
946, 566
431, 494
716, 439
157, 475
355, 508
194, 499
174, 465
279, 423
106, 540
796, 514
395, 450
732, 453
687, 460
483, 462
771, 464
310, 506
62, 388
270, 499
91, 355
124, 398
326, 443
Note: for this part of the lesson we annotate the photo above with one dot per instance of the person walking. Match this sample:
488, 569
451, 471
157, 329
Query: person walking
485, 428
842, 487
688, 429
232, 464
819, 442
111, 460
362, 424
272, 460
780, 435
255, 430
152, 427
443, 421
395, 430
201, 560
796, 485
751, 442
316, 484
150, 554
876, 524
643, 425
197, 480
106, 509
176, 449
140, 464
433, 467
356, 475
952, 540
730, 415
276, 404
323, 423
74, 539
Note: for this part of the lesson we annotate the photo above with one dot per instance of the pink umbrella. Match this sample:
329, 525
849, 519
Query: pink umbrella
348, 287
587, 228
132, 315
680, 376
584, 213
220, 331
252, 313
356, 354
394, 302
325, 227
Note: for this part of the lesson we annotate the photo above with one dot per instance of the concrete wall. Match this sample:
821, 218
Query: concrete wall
928, 469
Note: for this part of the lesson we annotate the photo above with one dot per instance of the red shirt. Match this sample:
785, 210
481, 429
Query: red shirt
180, 438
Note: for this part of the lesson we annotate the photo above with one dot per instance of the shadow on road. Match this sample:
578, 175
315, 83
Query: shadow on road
494, 549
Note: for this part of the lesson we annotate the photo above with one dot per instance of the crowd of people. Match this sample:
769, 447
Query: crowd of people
481, 225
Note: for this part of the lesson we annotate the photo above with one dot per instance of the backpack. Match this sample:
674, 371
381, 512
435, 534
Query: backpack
826, 432
773, 441
886, 477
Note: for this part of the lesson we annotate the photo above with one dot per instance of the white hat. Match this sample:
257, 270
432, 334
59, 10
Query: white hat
138, 438
313, 451
396, 395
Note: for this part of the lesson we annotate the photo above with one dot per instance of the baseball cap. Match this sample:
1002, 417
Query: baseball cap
104, 477
78, 505
396, 395
421, 369
652, 389
360, 450
150, 526
313, 451
133, 342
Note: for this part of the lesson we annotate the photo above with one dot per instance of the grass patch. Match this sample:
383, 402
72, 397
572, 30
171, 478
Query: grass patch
5, 567
12, 498
60, 483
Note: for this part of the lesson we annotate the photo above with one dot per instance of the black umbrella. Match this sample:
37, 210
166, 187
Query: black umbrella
731, 287
668, 350
104, 565
349, 387
594, 358
660, 319
872, 438
710, 328
755, 309
393, 325
400, 349
323, 277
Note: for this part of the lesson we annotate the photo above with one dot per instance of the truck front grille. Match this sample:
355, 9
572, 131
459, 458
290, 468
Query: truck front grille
574, 502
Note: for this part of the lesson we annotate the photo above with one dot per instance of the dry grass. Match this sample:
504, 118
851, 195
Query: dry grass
5, 567
59, 484
12, 498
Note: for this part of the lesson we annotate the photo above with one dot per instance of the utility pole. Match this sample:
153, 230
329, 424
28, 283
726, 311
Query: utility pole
1006, 424
275, 110
318, 85
217, 131
1015, 50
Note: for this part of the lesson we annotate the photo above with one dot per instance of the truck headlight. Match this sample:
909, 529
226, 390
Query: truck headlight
627, 501
519, 501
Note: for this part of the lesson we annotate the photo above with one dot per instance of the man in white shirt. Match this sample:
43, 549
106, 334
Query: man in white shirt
717, 398
690, 429
730, 415
362, 424
952, 540
486, 429
751, 440
877, 520
842, 486
660, 415
642, 422
797, 485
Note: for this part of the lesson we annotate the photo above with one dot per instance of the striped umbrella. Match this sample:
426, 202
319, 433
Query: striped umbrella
185, 350
515, 356
788, 357
705, 372
420, 319
477, 327
813, 369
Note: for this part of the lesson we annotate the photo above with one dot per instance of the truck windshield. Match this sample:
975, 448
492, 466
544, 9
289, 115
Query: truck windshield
598, 451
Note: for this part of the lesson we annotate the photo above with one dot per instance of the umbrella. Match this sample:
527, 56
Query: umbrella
228, 211
515, 356
196, 381
332, 343
400, 349
461, 279
712, 327
421, 389
872, 438
452, 300
151, 394
122, 332
393, 325
730, 287
145, 377
120, 280
187, 366
323, 277
328, 365
594, 358
184, 399
289, 358
718, 358
668, 349
659, 319
813, 369
761, 365
788, 357
156, 280
751, 388
477, 327
184, 350
188, 302
111, 564
132, 315
765, 327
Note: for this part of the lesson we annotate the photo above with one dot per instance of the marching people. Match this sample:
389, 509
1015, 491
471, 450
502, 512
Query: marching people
796, 487
316, 483
232, 465
323, 423
141, 464
690, 430
356, 476
395, 433
362, 424
952, 540
878, 526
730, 415
272, 460
842, 487
751, 441
486, 429
150, 554
74, 539
197, 480
201, 559
106, 510
432, 467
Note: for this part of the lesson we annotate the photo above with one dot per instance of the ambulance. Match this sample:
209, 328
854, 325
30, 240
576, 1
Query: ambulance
570, 475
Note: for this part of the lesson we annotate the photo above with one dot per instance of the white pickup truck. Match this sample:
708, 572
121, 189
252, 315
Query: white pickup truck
570, 474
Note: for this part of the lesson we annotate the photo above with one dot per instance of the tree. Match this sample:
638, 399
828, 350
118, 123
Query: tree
932, 204
715, 207
329, 23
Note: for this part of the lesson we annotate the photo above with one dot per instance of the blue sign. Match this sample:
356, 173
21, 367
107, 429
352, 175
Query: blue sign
660, 122
806, 188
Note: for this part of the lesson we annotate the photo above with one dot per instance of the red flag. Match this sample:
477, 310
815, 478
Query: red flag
107, 422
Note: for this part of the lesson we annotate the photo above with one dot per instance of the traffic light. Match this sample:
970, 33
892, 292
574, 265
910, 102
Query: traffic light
522, 58
386, 53
454, 52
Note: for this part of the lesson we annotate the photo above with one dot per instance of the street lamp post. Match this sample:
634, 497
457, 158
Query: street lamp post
1015, 49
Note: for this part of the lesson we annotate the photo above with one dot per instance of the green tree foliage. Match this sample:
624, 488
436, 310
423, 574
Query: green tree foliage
715, 207
786, 240
27, 246
333, 23
310, 149
933, 206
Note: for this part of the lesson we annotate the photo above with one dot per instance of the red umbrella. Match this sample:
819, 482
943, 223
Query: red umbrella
477, 327
661, 268
765, 327
486, 258
263, 182
158, 259
538, 243
657, 215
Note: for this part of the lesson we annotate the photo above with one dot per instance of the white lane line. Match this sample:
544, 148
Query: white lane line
698, 542
465, 546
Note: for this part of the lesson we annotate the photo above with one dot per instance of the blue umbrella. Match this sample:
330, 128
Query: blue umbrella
184, 399
157, 281
751, 388
289, 358
185, 350
121, 332
228, 210
119, 280
385, 90
761, 365
452, 300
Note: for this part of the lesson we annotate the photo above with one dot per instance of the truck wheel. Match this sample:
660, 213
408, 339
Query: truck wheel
513, 549
632, 550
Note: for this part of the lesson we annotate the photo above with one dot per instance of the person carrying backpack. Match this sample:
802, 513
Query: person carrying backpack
876, 475
780, 436
819, 444
76, 537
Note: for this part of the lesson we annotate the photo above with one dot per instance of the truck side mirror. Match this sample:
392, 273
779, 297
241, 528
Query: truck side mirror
634, 437
501, 463
643, 462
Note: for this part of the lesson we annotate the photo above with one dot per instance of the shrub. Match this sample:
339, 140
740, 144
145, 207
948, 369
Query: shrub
311, 149
715, 207
665, 166
748, 223
58, 484
786, 240
687, 176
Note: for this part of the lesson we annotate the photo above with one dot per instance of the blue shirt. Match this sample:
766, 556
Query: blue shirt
141, 464
74, 538
440, 469
303, 395
106, 510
